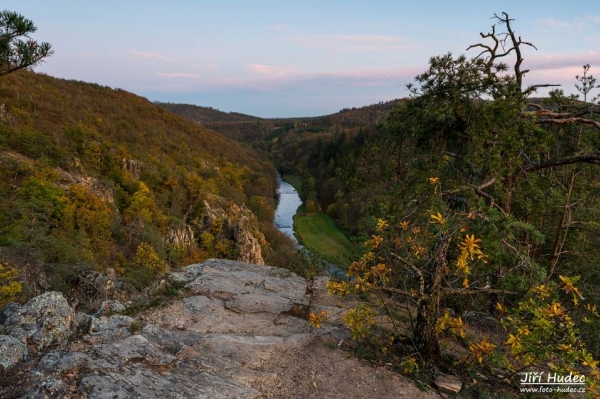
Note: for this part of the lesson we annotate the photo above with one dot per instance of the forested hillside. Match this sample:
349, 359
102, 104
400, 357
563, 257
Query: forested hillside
470, 189
94, 177
253, 129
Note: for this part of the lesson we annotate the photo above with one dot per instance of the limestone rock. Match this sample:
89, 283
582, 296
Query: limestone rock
62, 361
44, 321
247, 245
108, 328
237, 220
211, 344
12, 352
181, 237
110, 307
8, 310
226, 278
135, 348
448, 383
95, 285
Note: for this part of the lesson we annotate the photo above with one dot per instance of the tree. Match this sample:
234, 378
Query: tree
17, 54
487, 183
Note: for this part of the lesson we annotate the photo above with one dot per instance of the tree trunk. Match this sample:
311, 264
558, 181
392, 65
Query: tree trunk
426, 339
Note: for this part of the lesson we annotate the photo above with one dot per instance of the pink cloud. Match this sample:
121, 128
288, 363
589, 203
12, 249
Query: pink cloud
269, 78
559, 61
352, 43
271, 70
148, 55
179, 75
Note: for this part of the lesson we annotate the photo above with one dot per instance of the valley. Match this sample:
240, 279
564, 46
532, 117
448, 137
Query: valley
446, 241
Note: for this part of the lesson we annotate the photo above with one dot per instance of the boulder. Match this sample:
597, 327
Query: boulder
448, 383
44, 321
225, 279
12, 352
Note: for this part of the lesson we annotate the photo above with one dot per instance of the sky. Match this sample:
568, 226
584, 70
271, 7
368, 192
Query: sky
295, 58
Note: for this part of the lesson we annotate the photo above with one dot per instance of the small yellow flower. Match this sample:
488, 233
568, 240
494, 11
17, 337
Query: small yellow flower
434, 180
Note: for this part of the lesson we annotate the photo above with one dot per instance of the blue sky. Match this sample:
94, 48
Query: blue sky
302, 58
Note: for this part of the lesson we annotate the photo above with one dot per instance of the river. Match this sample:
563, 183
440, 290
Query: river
289, 201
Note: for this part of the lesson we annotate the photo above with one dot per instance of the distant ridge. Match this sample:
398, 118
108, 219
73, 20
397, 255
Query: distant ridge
248, 128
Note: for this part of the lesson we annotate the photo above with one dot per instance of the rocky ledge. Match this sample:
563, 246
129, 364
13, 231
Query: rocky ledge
214, 342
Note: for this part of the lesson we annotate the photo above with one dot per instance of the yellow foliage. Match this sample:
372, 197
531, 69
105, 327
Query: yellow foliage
10, 286
481, 349
360, 321
340, 289
453, 326
381, 225
470, 244
146, 257
315, 319
437, 219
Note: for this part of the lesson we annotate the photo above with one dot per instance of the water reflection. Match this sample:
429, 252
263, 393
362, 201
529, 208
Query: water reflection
289, 201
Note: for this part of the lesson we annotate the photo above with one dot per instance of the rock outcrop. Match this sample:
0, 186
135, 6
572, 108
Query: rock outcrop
211, 343
237, 220
181, 236
247, 245
43, 322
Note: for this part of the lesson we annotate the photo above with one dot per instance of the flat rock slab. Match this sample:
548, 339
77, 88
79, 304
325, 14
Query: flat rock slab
44, 321
226, 279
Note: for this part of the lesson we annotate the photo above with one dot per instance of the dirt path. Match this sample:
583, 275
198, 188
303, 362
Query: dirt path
320, 370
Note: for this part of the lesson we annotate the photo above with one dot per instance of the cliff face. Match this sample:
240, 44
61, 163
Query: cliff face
210, 343
248, 246
235, 219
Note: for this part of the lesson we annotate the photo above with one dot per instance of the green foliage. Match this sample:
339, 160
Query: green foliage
17, 54
543, 332
471, 193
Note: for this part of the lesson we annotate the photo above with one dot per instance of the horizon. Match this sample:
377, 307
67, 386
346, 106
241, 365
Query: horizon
274, 60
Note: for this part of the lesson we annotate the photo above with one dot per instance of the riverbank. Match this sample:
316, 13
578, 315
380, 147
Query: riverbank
318, 233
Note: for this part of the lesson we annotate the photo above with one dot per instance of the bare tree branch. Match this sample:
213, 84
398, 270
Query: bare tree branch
592, 159
585, 121
415, 270
470, 291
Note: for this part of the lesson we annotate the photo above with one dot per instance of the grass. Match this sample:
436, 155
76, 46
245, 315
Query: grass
320, 235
